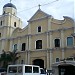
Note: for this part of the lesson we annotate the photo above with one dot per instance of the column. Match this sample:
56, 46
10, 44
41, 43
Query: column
47, 40
11, 45
62, 38
49, 23
19, 24
8, 33
19, 45
51, 41
63, 54
48, 59
62, 43
74, 26
29, 29
3, 44
51, 46
29, 48
4, 33
29, 42
28, 57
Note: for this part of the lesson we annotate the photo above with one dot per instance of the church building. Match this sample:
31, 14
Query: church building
42, 42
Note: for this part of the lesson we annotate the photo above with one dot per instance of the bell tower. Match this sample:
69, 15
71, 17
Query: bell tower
8, 23
9, 8
10, 16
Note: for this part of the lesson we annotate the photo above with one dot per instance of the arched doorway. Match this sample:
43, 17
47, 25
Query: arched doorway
39, 62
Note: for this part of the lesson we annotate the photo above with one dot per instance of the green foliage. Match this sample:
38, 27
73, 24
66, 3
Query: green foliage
8, 58
14, 56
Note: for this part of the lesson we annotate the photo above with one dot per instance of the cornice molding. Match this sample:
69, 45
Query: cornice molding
44, 33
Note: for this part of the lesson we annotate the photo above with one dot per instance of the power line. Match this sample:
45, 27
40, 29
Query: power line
39, 5
49, 3
27, 9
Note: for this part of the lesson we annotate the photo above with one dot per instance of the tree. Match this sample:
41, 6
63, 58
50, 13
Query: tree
4, 59
14, 56
8, 58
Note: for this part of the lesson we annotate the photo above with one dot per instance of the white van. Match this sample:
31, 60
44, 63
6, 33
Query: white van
24, 70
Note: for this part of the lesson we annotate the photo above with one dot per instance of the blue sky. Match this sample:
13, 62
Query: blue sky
27, 8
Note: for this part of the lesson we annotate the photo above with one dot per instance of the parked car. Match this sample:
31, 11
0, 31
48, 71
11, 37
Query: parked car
3, 71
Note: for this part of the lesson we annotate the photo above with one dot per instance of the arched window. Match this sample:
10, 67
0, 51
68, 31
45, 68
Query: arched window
57, 42
57, 59
39, 29
14, 24
1, 23
39, 44
23, 46
15, 47
69, 41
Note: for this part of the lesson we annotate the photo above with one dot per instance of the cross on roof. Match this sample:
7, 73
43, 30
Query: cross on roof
39, 6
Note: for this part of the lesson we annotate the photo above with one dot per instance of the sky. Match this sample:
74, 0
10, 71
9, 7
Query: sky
27, 8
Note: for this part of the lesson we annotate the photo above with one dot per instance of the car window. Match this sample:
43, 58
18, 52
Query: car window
3, 70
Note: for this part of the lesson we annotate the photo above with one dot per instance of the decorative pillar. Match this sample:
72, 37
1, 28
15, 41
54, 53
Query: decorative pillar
29, 48
29, 29
51, 59
63, 54
4, 33
51, 46
48, 59
49, 23
3, 44
29, 42
47, 40
62, 43
28, 57
51, 43
11, 45
19, 45
62, 38
19, 24
74, 26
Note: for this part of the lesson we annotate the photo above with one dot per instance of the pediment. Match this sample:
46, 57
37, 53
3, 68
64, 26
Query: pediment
38, 15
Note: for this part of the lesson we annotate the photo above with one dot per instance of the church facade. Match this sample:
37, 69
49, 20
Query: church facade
42, 42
